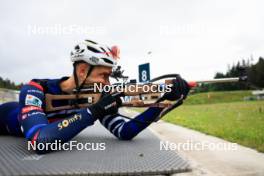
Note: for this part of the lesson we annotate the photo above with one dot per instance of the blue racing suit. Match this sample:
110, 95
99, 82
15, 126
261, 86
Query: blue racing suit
28, 117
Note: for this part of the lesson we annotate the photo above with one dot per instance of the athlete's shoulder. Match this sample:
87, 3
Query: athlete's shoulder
32, 94
34, 86
37, 88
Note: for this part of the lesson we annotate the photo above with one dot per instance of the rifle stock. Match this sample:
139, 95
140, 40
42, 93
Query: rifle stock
50, 99
92, 98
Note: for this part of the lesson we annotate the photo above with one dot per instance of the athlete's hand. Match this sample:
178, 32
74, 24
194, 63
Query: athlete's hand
179, 88
107, 105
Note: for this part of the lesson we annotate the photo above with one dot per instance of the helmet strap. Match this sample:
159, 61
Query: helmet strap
79, 87
88, 74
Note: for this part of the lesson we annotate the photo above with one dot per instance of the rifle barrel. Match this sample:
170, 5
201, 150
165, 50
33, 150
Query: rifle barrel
220, 80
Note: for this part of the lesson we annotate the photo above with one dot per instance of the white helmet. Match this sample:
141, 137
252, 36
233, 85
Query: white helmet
95, 54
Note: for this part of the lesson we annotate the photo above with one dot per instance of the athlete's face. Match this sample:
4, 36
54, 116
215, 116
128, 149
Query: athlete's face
100, 74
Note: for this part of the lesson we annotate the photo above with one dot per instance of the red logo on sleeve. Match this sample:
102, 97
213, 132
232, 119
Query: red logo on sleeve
30, 108
32, 83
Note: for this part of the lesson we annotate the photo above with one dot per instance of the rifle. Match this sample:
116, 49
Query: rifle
88, 96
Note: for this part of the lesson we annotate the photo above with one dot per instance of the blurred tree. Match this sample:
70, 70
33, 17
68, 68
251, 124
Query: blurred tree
256, 73
8, 84
241, 68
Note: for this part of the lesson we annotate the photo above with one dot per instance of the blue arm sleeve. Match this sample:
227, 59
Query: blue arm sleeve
34, 123
126, 130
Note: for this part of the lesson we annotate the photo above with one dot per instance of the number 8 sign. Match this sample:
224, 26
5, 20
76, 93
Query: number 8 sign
144, 72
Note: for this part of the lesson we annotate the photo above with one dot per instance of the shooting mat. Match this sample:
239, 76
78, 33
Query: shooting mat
140, 156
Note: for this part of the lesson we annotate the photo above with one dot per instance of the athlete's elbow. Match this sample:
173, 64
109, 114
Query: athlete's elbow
40, 145
37, 147
41, 152
126, 137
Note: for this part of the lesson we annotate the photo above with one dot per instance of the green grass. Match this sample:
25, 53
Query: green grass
224, 116
240, 122
217, 97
